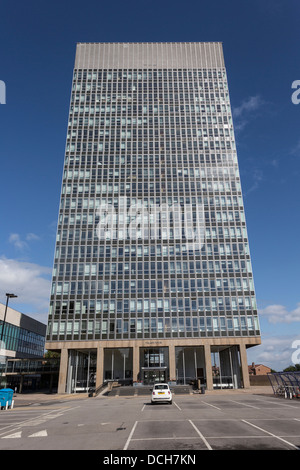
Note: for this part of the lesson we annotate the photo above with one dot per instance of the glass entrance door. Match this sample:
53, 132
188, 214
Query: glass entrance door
152, 376
81, 371
154, 365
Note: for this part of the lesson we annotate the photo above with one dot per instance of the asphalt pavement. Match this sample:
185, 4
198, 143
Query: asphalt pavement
252, 419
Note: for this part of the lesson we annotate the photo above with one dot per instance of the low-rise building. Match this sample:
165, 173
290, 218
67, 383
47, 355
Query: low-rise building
258, 369
22, 336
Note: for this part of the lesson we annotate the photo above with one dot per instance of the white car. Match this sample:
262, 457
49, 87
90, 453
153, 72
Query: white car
160, 393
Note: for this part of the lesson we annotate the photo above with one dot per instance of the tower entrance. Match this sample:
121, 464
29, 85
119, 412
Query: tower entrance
151, 376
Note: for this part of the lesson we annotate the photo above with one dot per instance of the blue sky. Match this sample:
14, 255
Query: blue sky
260, 40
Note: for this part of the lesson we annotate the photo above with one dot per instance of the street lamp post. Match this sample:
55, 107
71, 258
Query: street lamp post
8, 296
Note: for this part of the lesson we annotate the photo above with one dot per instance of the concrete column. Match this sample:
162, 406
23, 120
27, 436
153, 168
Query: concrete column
136, 363
172, 362
208, 367
244, 365
21, 383
63, 368
99, 365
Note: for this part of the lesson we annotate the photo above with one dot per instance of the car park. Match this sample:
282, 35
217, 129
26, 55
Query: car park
161, 393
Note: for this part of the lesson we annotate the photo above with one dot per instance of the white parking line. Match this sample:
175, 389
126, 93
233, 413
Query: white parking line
35, 420
201, 435
277, 403
244, 404
24, 423
177, 406
163, 438
130, 436
42, 433
270, 434
15, 435
209, 404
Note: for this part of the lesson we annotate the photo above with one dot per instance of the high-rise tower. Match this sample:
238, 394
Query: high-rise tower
152, 276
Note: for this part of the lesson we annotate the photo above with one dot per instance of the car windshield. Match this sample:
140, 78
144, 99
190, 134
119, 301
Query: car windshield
161, 387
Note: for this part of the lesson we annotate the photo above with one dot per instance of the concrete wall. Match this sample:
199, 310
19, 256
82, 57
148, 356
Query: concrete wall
256, 380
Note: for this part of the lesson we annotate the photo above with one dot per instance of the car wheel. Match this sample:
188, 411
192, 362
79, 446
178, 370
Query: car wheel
170, 402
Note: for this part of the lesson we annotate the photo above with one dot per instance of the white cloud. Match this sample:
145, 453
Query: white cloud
249, 105
29, 281
15, 239
275, 162
275, 352
244, 113
296, 149
280, 314
32, 236
20, 244
257, 177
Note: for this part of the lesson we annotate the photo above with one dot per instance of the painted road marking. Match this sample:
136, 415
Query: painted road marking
201, 435
271, 434
39, 434
130, 436
213, 406
244, 404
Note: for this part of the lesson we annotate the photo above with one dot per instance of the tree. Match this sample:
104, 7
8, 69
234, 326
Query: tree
295, 368
51, 355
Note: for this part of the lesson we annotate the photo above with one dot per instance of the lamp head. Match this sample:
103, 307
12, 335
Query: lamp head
11, 296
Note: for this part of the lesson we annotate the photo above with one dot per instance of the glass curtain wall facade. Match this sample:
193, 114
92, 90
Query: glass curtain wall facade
152, 246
